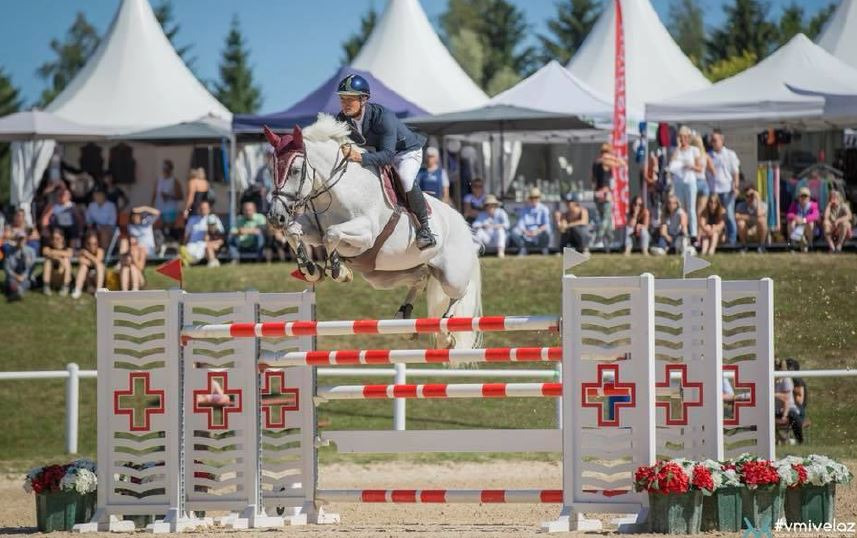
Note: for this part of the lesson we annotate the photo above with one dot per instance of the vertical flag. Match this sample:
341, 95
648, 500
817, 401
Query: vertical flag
620, 136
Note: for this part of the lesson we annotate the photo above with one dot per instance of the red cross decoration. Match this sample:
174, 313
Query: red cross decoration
217, 400
607, 395
139, 402
739, 389
674, 398
277, 398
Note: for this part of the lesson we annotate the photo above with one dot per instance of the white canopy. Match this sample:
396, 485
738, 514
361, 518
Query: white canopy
40, 125
839, 36
405, 53
655, 66
760, 92
135, 79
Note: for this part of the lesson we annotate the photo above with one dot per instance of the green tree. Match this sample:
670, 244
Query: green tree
351, 47
236, 89
688, 29
727, 67
10, 101
746, 28
574, 19
466, 47
71, 55
791, 23
816, 22
164, 14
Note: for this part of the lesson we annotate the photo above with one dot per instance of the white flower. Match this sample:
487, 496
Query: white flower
80, 480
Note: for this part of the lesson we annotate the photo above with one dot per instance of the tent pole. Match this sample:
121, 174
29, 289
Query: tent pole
502, 166
232, 200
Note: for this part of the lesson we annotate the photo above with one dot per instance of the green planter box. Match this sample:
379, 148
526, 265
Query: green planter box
762, 506
722, 510
61, 510
675, 513
810, 504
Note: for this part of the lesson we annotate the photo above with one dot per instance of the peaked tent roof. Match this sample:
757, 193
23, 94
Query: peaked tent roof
839, 36
655, 65
407, 55
760, 92
40, 125
324, 99
135, 79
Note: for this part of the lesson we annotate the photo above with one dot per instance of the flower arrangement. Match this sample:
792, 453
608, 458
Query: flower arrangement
674, 476
757, 472
792, 471
822, 470
723, 474
78, 476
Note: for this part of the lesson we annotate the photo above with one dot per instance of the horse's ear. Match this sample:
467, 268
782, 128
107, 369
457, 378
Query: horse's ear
298, 137
272, 137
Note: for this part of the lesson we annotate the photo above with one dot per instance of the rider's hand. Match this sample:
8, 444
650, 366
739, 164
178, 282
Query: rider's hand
351, 154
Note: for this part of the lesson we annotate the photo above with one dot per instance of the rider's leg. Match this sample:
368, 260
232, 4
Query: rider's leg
408, 165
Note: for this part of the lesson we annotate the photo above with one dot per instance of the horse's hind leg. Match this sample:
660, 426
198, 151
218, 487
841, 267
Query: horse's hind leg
415, 279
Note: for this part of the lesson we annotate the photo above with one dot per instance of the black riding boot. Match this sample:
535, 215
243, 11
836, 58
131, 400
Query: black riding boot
425, 239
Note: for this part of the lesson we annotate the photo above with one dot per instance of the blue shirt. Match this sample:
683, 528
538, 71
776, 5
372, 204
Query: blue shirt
531, 218
433, 182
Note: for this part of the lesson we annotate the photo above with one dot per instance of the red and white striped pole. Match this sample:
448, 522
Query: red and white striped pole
280, 329
409, 356
441, 390
477, 496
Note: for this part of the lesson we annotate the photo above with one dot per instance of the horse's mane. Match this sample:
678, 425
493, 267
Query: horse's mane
327, 128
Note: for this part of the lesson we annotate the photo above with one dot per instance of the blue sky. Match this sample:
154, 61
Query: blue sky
294, 44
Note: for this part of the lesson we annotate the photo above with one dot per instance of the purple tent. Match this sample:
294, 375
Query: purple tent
324, 99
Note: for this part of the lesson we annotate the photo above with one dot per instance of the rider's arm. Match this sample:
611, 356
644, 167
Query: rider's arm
386, 145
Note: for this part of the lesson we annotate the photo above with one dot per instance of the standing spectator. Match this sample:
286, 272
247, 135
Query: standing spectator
198, 189
837, 222
707, 167
673, 231
492, 225
90, 265
685, 166
725, 176
19, 224
712, 221
533, 227
101, 216
602, 178
203, 236
114, 194
752, 218
432, 177
18, 265
474, 201
57, 265
802, 218
141, 229
784, 403
249, 233
63, 215
637, 227
573, 224
167, 196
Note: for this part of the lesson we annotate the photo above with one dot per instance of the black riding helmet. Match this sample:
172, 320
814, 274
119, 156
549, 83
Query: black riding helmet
353, 85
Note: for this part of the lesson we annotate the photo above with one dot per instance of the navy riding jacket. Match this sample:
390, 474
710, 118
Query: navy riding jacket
385, 132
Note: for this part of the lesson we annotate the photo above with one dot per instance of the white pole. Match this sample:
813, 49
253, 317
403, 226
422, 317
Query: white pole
399, 411
72, 386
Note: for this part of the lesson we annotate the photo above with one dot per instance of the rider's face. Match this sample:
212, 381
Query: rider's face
351, 105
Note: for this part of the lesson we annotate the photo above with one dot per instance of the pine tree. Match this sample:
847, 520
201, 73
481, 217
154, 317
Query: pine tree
351, 47
817, 22
688, 28
164, 14
10, 101
236, 89
746, 29
791, 23
574, 19
72, 54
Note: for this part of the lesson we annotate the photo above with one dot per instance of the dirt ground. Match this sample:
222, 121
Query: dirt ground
17, 509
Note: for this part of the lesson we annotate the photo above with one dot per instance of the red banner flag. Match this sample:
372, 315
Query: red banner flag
172, 269
620, 134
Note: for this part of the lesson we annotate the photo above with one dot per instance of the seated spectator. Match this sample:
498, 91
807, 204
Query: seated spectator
101, 217
784, 403
90, 269
132, 263
712, 222
432, 177
18, 265
141, 229
799, 392
837, 222
637, 227
19, 224
751, 216
114, 194
64, 216
573, 224
57, 267
533, 227
491, 226
203, 236
802, 218
249, 233
474, 201
673, 231
166, 197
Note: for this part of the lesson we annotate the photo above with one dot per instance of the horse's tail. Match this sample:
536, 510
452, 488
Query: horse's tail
470, 305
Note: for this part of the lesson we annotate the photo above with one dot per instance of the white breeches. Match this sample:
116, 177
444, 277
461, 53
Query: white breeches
493, 238
408, 165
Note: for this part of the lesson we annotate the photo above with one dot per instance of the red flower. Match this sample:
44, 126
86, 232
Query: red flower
671, 478
702, 478
759, 473
49, 479
801, 474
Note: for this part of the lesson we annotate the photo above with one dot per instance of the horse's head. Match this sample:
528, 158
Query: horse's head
291, 183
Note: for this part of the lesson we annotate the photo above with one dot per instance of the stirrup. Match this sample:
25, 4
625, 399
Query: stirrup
425, 238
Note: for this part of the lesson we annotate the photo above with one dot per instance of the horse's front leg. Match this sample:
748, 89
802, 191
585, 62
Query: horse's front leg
353, 237
296, 238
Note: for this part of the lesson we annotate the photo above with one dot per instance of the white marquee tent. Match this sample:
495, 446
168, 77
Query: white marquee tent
655, 66
839, 36
406, 54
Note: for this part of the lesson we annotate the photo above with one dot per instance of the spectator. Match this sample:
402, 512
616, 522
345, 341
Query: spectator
141, 230
637, 227
57, 265
432, 177
249, 233
198, 189
101, 216
64, 216
685, 166
167, 196
114, 194
474, 201
203, 236
800, 393
18, 266
712, 221
702, 177
533, 227
725, 175
132, 263
673, 231
602, 178
837, 222
90, 265
492, 225
19, 224
802, 218
784, 403
752, 219
573, 224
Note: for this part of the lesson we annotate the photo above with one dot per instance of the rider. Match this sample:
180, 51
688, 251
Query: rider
373, 125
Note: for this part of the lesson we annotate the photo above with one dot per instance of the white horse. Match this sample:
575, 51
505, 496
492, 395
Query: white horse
321, 199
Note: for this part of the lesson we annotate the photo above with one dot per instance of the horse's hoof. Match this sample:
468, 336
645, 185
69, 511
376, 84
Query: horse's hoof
404, 311
312, 272
340, 273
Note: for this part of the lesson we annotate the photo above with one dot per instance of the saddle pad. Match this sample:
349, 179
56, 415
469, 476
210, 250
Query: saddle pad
392, 189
